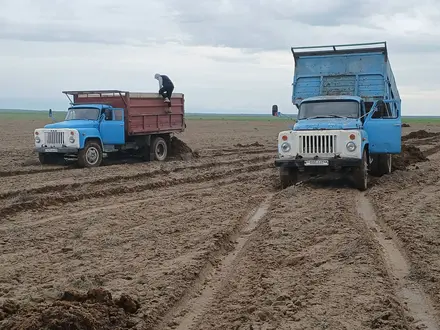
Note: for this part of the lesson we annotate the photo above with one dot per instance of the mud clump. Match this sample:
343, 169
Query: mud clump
421, 134
77, 311
409, 155
255, 144
180, 150
406, 125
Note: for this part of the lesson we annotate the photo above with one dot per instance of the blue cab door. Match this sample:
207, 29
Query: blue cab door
112, 127
383, 125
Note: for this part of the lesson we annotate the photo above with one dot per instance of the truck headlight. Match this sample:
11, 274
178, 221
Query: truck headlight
37, 139
285, 147
71, 139
351, 146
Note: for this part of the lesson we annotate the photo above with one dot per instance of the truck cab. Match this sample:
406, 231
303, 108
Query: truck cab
84, 131
348, 118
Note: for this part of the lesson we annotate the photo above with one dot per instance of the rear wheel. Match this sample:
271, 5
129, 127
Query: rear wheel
159, 149
382, 164
91, 155
288, 176
360, 175
388, 163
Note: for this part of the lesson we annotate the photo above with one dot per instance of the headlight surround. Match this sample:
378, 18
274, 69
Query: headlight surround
285, 147
351, 146
71, 139
37, 139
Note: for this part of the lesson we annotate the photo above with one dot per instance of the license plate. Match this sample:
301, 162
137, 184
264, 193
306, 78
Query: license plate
51, 150
316, 162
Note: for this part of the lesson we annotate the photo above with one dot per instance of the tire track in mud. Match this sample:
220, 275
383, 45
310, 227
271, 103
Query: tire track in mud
221, 153
41, 202
139, 175
192, 305
24, 223
419, 306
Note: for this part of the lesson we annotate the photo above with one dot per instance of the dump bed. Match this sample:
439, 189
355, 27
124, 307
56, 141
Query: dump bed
145, 113
356, 69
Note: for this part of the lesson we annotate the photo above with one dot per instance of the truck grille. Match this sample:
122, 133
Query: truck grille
317, 144
54, 137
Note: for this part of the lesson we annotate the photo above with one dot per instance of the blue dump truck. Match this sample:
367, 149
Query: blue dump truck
349, 114
110, 122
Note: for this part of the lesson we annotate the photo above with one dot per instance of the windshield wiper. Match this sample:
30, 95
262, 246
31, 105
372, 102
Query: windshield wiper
327, 116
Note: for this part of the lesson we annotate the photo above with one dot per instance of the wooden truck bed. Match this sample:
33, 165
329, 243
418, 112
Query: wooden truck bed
145, 113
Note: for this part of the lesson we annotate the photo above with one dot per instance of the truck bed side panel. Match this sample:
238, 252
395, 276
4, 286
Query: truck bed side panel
145, 113
149, 115
348, 74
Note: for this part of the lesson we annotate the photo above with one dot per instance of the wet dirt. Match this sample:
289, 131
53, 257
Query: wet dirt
180, 150
420, 134
175, 242
76, 311
409, 155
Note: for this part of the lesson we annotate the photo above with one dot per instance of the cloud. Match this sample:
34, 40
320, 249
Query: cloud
223, 54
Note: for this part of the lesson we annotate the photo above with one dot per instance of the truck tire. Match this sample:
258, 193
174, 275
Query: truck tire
360, 174
159, 149
382, 164
387, 164
91, 155
288, 176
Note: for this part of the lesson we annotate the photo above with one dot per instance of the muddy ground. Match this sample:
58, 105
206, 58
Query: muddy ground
210, 241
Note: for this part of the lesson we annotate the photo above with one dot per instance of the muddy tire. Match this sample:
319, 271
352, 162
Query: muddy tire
382, 164
288, 177
159, 149
387, 164
360, 175
91, 155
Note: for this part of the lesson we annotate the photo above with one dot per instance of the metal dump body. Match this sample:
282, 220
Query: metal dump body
144, 113
360, 70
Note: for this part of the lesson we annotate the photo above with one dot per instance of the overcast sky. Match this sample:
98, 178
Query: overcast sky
228, 55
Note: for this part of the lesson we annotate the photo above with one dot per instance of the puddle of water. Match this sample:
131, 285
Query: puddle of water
419, 306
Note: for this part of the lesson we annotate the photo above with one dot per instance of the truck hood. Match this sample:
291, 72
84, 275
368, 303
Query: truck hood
327, 123
74, 124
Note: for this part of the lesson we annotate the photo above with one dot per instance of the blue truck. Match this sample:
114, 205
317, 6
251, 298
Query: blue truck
349, 114
102, 123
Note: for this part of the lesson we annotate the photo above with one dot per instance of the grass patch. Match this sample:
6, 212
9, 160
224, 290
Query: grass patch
60, 115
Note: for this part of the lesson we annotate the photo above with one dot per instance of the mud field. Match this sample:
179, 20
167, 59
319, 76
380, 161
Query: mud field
208, 240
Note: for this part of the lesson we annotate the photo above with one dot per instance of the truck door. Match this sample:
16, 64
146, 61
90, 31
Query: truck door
383, 125
112, 127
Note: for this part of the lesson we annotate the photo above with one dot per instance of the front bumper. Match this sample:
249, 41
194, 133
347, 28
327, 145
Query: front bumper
59, 150
333, 163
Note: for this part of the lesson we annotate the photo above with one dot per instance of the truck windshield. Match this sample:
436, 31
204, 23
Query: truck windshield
82, 113
329, 109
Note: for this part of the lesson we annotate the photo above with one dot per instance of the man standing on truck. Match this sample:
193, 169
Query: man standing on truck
166, 87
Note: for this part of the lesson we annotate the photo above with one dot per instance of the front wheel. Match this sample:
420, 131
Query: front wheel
288, 176
360, 175
91, 155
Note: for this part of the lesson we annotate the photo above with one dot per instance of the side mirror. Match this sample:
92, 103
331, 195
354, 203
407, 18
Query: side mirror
275, 110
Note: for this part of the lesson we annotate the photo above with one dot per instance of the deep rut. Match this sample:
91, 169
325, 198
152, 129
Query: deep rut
187, 312
417, 303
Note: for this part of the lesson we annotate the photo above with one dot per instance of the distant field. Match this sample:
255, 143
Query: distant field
59, 115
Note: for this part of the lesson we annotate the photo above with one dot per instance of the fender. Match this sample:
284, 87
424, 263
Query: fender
365, 141
87, 133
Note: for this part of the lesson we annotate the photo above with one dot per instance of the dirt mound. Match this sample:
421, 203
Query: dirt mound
181, 150
409, 155
406, 125
74, 311
421, 134
255, 144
